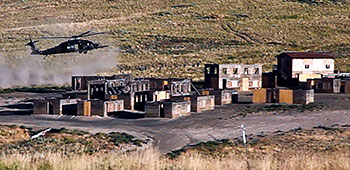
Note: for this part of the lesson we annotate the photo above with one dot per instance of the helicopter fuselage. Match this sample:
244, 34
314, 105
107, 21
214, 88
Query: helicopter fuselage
81, 46
74, 44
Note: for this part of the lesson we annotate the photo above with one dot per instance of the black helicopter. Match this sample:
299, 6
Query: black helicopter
74, 44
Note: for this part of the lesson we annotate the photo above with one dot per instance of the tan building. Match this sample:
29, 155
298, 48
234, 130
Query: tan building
168, 109
233, 76
295, 67
81, 82
174, 86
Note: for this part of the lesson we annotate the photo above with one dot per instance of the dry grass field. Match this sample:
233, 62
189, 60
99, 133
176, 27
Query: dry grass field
152, 160
155, 37
318, 148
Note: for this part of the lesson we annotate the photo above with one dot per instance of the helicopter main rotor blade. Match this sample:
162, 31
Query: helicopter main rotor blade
54, 37
85, 34
81, 35
95, 33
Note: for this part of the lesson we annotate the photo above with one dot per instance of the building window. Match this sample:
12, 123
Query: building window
215, 71
208, 70
328, 66
257, 71
307, 66
250, 83
235, 70
246, 71
224, 70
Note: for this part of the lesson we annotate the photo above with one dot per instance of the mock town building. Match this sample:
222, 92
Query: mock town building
81, 82
233, 76
295, 67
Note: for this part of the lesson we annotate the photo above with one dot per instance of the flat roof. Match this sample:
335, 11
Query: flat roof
307, 55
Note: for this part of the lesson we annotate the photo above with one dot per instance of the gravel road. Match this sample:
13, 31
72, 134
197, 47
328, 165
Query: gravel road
221, 123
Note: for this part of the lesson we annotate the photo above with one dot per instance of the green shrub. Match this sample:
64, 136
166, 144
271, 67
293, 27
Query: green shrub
3, 166
45, 166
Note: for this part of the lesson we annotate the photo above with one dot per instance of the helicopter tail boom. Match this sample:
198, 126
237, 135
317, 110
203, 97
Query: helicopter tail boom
102, 46
35, 50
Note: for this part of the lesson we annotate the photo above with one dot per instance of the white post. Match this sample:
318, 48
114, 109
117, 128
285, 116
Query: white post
244, 136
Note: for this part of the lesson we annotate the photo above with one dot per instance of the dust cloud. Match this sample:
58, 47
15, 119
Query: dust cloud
54, 70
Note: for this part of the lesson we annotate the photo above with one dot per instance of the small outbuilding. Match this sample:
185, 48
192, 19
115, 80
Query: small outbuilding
202, 103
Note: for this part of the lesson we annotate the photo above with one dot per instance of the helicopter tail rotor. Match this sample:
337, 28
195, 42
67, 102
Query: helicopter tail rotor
31, 43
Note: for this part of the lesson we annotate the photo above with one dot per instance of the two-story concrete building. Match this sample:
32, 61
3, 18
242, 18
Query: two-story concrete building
233, 76
295, 67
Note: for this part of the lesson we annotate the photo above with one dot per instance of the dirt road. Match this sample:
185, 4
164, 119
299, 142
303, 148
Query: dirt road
173, 134
221, 123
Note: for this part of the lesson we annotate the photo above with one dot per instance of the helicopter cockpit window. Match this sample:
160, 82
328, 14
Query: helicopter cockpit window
76, 46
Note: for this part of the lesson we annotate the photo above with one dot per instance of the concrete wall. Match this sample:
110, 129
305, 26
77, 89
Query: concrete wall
288, 96
327, 85
159, 95
202, 103
233, 76
102, 108
303, 96
56, 106
40, 107
175, 86
180, 98
293, 69
222, 96
347, 86
114, 106
128, 101
81, 82
263, 96
153, 109
84, 108
315, 66
269, 80
284, 96
98, 108
177, 109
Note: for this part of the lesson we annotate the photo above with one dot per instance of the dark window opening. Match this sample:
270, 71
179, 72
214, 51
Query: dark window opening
208, 70
307, 66
215, 71
246, 71
328, 66
235, 71
257, 71
224, 70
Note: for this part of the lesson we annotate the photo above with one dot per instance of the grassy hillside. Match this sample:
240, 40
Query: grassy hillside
155, 36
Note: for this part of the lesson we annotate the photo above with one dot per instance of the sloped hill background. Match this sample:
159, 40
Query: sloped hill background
163, 38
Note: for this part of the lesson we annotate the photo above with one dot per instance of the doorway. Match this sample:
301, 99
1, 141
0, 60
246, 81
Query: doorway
224, 84
161, 110
245, 84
